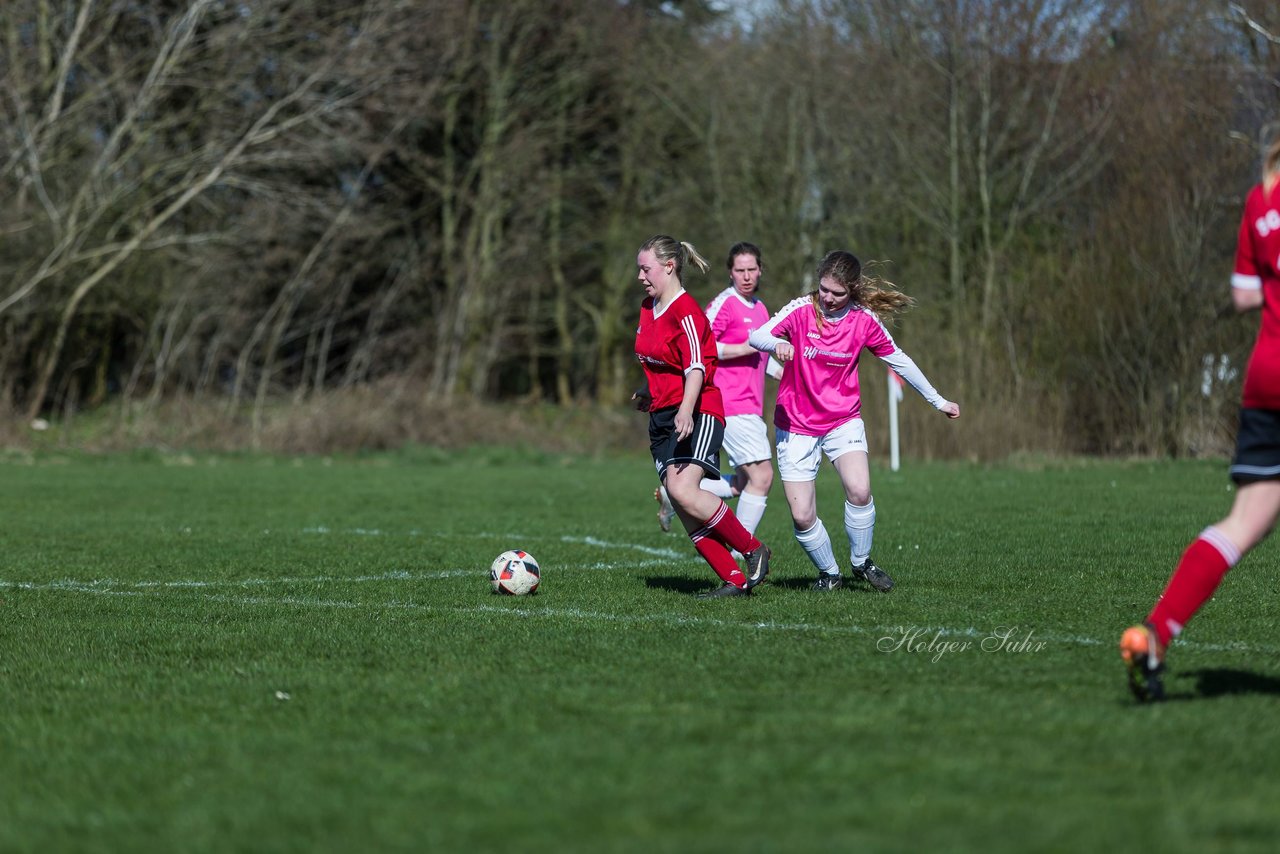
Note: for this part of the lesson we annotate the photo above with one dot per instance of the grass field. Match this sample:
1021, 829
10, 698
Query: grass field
265, 654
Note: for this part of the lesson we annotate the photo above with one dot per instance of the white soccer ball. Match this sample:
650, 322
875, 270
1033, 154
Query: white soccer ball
515, 573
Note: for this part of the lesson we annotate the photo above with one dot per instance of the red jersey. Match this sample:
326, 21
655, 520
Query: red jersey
671, 344
1258, 267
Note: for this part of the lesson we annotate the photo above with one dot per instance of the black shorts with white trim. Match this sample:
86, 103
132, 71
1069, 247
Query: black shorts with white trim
701, 447
1257, 446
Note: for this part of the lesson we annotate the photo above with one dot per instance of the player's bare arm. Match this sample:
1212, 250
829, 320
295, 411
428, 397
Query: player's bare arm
684, 415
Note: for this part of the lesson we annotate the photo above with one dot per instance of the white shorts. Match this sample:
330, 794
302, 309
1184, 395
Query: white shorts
800, 456
746, 440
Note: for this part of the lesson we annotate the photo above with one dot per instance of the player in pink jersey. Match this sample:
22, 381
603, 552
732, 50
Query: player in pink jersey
818, 338
686, 415
733, 313
1255, 469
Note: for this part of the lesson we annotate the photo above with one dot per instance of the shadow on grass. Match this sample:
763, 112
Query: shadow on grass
794, 582
680, 583
1224, 682
805, 582
1218, 682
683, 584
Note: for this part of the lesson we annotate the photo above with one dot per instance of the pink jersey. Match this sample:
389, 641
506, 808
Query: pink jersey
740, 380
1258, 267
819, 387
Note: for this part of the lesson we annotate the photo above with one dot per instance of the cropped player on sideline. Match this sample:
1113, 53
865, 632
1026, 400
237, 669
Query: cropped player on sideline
818, 339
733, 314
1255, 469
675, 346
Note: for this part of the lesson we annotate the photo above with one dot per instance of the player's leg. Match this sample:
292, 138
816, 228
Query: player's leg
724, 486
746, 440
682, 483
721, 487
1200, 570
665, 511
1218, 548
799, 458
757, 479
847, 448
705, 515
662, 445
1253, 515
1204, 563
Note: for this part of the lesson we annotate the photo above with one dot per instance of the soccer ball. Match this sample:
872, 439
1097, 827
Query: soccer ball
515, 573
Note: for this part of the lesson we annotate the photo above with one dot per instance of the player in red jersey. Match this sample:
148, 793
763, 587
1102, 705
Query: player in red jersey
1255, 284
740, 373
675, 347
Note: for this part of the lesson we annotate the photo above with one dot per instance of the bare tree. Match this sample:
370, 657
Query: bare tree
143, 174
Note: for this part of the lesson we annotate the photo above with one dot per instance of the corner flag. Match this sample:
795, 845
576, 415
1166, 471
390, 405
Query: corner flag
895, 397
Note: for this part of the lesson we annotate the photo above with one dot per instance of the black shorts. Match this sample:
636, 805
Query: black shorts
1257, 446
701, 447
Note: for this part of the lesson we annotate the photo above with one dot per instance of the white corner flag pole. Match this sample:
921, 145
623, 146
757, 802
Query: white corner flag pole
895, 394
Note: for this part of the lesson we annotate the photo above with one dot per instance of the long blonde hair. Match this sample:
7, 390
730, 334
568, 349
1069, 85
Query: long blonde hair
877, 295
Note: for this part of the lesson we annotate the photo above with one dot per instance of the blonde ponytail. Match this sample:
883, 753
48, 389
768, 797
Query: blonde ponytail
666, 249
692, 255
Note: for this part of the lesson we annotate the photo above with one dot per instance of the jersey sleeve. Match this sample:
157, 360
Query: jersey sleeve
689, 345
718, 319
905, 367
1246, 275
779, 329
880, 342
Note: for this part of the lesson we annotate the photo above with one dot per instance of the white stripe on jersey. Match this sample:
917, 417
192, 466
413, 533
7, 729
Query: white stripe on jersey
1246, 283
713, 307
695, 346
763, 337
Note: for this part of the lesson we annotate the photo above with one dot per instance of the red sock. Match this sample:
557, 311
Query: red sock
1199, 573
726, 528
714, 553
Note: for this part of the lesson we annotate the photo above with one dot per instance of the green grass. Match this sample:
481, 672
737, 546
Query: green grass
265, 654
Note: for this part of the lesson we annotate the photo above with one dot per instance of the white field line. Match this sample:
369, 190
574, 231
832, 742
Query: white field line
592, 541
512, 538
117, 584
104, 584
108, 584
922, 635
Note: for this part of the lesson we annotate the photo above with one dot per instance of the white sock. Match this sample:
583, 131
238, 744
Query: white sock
817, 545
718, 487
860, 525
750, 510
